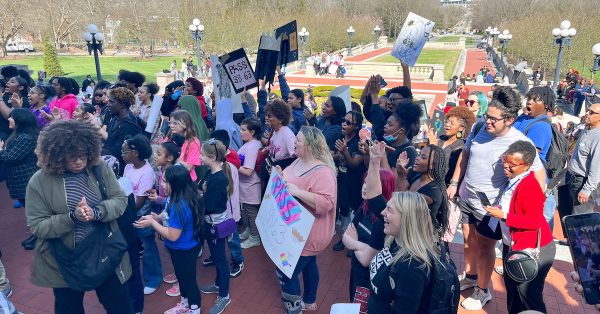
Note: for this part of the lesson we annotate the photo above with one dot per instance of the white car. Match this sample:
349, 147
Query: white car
19, 46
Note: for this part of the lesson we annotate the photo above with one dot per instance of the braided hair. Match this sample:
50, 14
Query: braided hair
543, 94
437, 166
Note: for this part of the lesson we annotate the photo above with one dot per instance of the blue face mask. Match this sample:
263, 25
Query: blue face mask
177, 94
390, 138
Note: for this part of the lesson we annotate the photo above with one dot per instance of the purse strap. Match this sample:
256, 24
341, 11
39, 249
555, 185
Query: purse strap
100, 180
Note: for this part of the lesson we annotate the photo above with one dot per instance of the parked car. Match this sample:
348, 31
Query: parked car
19, 46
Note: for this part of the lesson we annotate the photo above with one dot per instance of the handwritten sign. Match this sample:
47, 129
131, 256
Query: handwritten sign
283, 224
437, 122
238, 69
412, 38
223, 88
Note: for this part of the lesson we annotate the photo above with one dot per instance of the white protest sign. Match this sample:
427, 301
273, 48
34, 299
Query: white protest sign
283, 224
238, 68
154, 114
222, 86
412, 38
343, 92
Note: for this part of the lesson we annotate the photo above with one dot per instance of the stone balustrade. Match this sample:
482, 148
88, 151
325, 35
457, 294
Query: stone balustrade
433, 72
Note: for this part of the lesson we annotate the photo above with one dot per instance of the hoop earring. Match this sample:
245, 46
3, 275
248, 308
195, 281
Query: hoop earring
459, 134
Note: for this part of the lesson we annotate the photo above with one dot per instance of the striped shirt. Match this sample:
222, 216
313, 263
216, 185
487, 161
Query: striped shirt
76, 187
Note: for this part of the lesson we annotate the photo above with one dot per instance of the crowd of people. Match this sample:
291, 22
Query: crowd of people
84, 166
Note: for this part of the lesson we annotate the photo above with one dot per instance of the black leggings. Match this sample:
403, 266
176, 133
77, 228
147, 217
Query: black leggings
184, 263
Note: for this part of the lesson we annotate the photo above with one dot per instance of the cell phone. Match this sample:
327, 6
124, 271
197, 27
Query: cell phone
483, 199
382, 83
583, 235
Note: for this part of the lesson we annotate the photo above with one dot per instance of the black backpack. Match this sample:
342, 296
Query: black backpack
557, 156
445, 287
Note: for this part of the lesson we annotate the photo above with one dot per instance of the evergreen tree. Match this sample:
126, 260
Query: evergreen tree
51, 64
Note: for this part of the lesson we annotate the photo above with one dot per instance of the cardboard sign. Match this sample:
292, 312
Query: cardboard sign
437, 122
423, 104
412, 38
343, 92
267, 57
222, 85
238, 69
288, 34
283, 224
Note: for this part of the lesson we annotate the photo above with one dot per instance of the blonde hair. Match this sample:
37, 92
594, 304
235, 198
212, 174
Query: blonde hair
184, 118
416, 238
316, 145
217, 150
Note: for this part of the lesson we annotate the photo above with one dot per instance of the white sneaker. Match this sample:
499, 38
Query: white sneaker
148, 290
200, 253
477, 300
245, 235
251, 242
466, 283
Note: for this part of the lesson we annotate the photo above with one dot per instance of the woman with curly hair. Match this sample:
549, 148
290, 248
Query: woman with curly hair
65, 202
311, 179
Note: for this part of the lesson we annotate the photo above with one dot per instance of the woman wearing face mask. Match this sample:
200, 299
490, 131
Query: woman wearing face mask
333, 112
478, 104
398, 132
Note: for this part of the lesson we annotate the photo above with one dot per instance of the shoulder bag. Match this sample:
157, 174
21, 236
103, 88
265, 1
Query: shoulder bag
522, 265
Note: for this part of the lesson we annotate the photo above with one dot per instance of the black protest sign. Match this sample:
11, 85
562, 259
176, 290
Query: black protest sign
238, 69
267, 56
437, 122
288, 34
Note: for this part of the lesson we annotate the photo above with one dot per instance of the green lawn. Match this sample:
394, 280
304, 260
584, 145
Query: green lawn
448, 58
448, 39
469, 42
78, 67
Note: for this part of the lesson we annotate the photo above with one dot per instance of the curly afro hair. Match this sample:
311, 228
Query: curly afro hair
506, 100
67, 139
123, 96
280, 109
465, 116
135, 78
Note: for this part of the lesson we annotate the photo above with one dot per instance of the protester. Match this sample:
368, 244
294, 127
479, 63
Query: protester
181, 124
330, 122
193, 87
65, 102
217, 187
37, 100
296, 101
311, 180
483, 148
179, 225
14, 96
478, 104
250, 186
521, 215
64, 202
191, 105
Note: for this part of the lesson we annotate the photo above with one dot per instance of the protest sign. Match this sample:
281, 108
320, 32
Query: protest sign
222, 86
283, 224
437, 121
343, 92
154, 114
288, 34
412, 38
267, 57
238, 69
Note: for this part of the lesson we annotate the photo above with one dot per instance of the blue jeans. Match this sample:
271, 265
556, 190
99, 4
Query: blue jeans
217, 252
235, 248
549, 206
152, 268
310, 275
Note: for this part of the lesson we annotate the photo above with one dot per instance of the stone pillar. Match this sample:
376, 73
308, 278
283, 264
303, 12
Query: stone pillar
438, 73
163, 79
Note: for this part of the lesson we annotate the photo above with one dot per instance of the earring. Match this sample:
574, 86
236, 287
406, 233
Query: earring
459, 134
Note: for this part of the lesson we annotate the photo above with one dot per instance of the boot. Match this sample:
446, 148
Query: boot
29, 243
292, 303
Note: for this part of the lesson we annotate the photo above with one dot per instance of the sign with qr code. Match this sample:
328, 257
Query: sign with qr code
238, 69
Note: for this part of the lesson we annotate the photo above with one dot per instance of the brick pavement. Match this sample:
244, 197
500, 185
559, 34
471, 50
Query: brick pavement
476, 59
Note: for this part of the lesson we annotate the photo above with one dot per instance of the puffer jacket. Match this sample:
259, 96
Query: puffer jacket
48, 218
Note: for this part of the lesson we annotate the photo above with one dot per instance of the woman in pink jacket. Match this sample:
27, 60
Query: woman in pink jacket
65, 102
310, 179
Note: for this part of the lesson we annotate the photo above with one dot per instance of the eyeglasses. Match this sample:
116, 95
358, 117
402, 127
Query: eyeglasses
75, 158
471, 102
492, 119
125, 152
509, 164
348, 122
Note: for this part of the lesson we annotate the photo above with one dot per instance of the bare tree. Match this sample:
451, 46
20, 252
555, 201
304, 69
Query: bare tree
11, 22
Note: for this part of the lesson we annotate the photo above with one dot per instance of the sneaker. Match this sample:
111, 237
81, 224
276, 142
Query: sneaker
178, 309
466, 283
208, 262
220, 305
200, 253
7, 293
499, 270
210, 288
17, 204
251, 242
173, 291
236, 269
245, 235
339, 246
477, 300
170, 278
148, 290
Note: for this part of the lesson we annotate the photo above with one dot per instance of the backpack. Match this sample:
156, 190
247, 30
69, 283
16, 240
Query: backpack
557, 156
445, 287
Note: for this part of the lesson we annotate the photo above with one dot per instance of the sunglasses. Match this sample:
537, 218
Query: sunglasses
348, 122
471, 102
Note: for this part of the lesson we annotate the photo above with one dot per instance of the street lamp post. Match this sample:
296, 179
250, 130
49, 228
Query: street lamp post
350, 31
377, 33
94, 41
197, 32
596, 52
563, 36
488, 34
303, 39
504, 39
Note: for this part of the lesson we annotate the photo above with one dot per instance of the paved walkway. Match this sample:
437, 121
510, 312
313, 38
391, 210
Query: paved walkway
476, 59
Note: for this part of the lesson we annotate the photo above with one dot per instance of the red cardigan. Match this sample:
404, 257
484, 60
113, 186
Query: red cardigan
526, 215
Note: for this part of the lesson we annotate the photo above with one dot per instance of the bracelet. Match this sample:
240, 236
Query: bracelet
453, 183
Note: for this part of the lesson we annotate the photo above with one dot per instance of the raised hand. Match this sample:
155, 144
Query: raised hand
341, 145
377, 151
